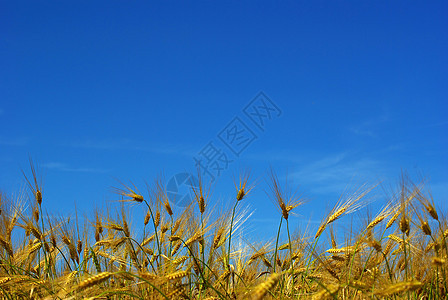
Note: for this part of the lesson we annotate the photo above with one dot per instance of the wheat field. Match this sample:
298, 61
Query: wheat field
190, 253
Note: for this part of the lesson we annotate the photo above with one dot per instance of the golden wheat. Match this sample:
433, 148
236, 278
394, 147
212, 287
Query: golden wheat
89, 282
185, 254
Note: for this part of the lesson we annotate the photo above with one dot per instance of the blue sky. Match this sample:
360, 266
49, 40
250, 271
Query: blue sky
106, 90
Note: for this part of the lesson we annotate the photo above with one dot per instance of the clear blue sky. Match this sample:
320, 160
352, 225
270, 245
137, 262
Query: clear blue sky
98, 90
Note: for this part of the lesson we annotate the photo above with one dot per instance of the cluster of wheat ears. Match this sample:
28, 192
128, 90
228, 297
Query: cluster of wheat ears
401, 252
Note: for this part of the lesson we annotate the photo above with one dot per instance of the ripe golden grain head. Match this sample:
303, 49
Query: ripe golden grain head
176, 293
148, 251
284, 210
399, 287
279, 262
147, 218
432, 212
284, 246
375, 222
404, 225
242, 188
348, 249
126, 228
337, 258
240, 195
148, 276
66, 240
320, 230
262, 289
376, 245
138, 198
326, 293
437, 261
218, 238
176, 226
6, 245
4, 280
201, 204
73, 253
224, 275
176, 248
425, 228
360, 285
393, 219
177, 275
196, 267
98, 224
165, 227
266, 261
256, 255
337, 214
148, 240
34, 248
89, 282
395, 238
180, 260
429, 246
79, 246
38, 196
168, 208
157, 219
195, 237
115, 226
36, 214
173, 238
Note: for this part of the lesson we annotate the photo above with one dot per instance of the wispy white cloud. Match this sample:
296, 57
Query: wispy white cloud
369, 127
362, 130
337, 172
66, 168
